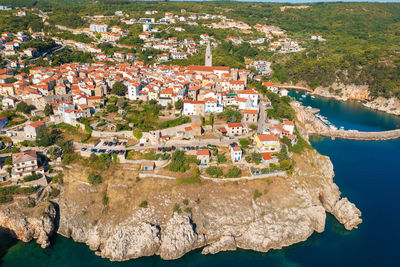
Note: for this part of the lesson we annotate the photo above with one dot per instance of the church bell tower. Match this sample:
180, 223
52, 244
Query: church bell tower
208, 60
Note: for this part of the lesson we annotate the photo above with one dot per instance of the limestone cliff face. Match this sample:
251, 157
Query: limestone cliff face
38, 223
391, 105
361, 93
216, 216
344, 92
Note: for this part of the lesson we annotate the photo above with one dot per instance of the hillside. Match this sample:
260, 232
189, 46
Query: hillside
361, 46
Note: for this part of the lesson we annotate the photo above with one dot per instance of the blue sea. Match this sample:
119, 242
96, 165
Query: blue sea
368, 173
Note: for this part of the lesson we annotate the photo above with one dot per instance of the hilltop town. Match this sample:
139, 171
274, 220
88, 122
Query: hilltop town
120, 106
136, 121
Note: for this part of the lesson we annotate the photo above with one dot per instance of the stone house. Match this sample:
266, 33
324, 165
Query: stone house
25, 163
32, 129
203, 155
250, 116
148, 166
234, 129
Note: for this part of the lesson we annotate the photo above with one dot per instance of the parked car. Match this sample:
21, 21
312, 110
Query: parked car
105, 144
83, 149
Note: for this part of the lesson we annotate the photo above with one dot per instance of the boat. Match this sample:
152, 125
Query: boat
312, 96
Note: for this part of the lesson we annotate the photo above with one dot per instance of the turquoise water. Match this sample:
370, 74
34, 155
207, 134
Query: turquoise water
350, 115
366, 172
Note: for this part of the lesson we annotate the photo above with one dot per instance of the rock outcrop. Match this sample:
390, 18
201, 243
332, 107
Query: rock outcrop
39, 223
360, 93
215, 217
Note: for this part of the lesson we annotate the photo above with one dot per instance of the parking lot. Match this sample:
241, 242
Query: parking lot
108, 147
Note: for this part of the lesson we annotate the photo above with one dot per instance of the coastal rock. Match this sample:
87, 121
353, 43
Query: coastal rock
179, 237
28, 224
347, 214
130, 242
390, 105
225, 243
217, 217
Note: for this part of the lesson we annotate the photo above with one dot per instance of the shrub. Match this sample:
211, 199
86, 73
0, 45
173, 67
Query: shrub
188, 210
13, 190
8, 161
143, 204
94, 179
31, 177
191, 180
234, 172
54, 192
175, 122
105, 200
214, 171
59, 178
285, 165
138, 134
221, 158
177, 162
244, 142
256, 194
5, 199
186, 202
177, 208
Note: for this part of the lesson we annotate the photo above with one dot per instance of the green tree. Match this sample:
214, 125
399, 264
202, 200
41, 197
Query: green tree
118, 88
137, 134
256, 157
214, 171
94, 179
221, 158
177, 162
23, 107
179, 104
112, 108
234, 172
48, 109
244, 142
45, 137
8, 161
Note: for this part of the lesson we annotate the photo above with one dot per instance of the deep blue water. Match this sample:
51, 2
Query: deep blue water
368, 173
351, 114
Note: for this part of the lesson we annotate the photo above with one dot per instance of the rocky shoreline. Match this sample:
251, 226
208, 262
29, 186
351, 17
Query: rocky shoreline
359, 93
227, 219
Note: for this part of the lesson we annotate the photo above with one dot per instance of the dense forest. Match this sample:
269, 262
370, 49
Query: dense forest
362, 39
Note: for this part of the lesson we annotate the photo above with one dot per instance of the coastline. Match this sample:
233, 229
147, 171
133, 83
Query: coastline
227, 218
359, 93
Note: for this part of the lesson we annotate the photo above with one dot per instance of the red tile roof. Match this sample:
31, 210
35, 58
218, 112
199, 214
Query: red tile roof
203, 152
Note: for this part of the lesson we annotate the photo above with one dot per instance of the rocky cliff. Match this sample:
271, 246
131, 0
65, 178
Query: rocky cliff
258, 215
27, 224
359, 93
